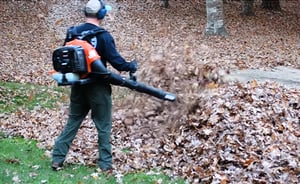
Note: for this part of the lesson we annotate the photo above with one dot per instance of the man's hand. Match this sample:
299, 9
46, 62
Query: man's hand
132, 76
134, 66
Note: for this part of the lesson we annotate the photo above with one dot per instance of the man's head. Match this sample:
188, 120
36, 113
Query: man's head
96, 9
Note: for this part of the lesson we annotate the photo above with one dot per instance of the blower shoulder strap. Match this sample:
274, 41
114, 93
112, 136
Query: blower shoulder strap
85, 35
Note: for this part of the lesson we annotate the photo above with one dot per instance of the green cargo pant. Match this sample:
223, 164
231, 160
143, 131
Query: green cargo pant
94, 97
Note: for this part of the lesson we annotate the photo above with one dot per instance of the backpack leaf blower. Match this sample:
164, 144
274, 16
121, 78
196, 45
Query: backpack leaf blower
78, 63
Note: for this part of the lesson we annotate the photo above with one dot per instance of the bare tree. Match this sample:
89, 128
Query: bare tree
271, 5
215, 18
248, 7
165, 3
266, 4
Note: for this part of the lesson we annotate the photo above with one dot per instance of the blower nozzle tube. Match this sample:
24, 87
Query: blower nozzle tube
118, 80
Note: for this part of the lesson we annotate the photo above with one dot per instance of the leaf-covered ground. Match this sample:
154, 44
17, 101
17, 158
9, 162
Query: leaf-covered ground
216, 132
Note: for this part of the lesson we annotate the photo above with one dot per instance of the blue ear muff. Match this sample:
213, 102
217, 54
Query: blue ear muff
102, 12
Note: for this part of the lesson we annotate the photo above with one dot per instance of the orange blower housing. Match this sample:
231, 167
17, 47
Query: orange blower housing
90, 52
78, 56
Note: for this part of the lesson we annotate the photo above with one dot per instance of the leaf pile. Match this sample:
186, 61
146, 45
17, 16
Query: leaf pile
217, 131
246, 133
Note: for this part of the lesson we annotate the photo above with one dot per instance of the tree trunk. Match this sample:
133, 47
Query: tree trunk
215, 18
248, 7
271, 5
164, 3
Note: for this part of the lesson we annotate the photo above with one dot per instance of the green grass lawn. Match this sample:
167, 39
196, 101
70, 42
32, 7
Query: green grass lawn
22, 162
14, 96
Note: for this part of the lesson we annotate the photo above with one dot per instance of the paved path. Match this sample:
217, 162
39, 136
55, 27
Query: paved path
287, 76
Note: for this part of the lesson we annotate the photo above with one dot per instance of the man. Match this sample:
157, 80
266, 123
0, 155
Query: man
94, 96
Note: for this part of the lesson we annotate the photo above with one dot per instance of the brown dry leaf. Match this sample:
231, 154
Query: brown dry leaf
212, 85
254, 84
58, 22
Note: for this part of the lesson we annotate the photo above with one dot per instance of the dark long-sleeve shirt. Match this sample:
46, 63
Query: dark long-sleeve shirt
105, 46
